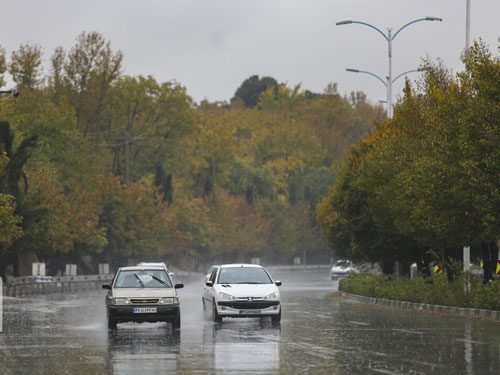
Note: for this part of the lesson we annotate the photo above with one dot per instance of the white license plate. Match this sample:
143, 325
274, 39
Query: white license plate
143, 310
249, 312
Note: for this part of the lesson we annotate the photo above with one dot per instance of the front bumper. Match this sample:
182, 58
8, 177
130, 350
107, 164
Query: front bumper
125, 313
246, 308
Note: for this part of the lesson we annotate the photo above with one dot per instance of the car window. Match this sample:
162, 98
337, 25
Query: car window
209, 273
143, 279
244, 275
213, 275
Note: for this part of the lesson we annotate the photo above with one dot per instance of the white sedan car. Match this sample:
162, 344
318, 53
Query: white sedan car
343, 268
241, 291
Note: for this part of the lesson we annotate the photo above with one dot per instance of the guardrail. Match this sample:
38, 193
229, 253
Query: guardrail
307, 267
34, 285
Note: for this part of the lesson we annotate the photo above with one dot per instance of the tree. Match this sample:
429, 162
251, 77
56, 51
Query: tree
10, 183
147, 120
426, 181
26, 66
89, 70
3, 66
10, 229
251, 88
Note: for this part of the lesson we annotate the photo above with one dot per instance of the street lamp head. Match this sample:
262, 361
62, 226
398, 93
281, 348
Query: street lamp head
344, 22
352, 70
433, 19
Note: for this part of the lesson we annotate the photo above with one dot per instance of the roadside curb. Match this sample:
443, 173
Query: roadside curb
459, 311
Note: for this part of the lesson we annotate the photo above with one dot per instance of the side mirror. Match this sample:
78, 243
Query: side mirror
278, 283
209, 283
105, 286
178, 286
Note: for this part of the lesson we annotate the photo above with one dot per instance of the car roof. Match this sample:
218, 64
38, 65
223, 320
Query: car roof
138, 268
162, 264
240, 265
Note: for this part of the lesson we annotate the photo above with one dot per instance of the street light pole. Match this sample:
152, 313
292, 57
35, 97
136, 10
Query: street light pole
389, 37
467, 25
389, 77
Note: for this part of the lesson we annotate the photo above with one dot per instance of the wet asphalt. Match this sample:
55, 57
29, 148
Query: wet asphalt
320, 333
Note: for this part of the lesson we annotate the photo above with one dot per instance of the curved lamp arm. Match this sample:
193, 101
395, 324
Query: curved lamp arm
415, 21
348, 22
405, 73
369, 73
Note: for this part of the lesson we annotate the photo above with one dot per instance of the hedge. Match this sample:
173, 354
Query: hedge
436, 290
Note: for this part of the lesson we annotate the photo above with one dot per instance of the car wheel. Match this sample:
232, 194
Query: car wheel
276, 319
216, 316
176, 324
111, 323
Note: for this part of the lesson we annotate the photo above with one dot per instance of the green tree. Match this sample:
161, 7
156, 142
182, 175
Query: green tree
88, 72
251, 89
26, 66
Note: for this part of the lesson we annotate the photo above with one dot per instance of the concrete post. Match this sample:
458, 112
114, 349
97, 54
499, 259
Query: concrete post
413, 270
103, 269
70, 269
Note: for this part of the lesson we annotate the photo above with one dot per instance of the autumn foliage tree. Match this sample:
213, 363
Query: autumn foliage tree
129, 168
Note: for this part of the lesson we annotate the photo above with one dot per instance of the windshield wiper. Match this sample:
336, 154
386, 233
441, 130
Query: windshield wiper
159, 280
250, 282
140, 281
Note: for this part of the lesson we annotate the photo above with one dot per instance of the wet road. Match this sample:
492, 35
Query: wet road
319, 334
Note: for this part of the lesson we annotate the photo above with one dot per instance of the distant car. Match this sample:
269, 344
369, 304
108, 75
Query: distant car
342, 268
143, 294
156, 264
241, 291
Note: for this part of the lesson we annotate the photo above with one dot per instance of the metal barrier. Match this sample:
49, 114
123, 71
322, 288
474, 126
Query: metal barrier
307, 267
34, 285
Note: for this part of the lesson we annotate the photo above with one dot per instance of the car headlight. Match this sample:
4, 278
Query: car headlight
272, 296
225, 296
121, 301
168, 301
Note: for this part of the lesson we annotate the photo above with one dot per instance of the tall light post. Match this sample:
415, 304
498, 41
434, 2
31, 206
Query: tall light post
467, 25
389, 37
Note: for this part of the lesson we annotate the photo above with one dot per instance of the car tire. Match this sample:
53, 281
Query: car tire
111, 323
176, 323
217, 318
276, 319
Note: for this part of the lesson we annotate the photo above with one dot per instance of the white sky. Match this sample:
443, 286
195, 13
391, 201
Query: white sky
211, 46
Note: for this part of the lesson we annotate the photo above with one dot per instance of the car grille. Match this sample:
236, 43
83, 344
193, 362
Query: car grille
248, 304
142, 301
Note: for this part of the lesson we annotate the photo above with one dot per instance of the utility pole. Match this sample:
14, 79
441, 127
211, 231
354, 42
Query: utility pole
467, 25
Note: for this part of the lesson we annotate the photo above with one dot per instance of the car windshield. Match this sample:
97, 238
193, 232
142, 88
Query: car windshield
343, 263
143, 279
244, 275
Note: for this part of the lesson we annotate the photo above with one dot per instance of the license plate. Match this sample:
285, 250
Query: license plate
249, 312
143, 310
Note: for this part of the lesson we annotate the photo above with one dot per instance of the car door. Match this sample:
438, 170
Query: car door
209, 289
205, 287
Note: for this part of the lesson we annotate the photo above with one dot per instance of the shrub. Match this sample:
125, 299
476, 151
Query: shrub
436, 290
